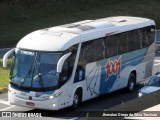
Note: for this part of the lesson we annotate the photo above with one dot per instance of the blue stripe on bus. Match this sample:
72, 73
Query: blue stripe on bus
48, 92
19, 89
126, 60
26, 91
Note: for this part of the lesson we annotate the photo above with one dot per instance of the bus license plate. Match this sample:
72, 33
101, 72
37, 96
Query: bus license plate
29, 103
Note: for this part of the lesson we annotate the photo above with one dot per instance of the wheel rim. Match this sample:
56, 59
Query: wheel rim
131, 85
75, 100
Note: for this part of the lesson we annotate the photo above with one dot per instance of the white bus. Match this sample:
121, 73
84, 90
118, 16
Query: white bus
61, 66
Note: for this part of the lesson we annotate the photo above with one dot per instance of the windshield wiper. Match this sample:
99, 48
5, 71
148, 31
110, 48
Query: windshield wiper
40, 76
25, 76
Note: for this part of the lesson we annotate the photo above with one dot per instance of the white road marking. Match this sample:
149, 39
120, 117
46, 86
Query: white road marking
4, 109
74, 118
157, 60
4, 102
157, 64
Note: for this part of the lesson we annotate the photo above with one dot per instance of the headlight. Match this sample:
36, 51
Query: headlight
12, 92
54, 95
54, 105
140, 94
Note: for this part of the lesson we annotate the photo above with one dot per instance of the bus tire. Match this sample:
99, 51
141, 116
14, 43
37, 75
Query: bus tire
131, 82
77, 99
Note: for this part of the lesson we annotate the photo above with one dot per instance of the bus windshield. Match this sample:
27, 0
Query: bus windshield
35, 70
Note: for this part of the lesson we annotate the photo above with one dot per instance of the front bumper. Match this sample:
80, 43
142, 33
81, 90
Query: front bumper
51, 104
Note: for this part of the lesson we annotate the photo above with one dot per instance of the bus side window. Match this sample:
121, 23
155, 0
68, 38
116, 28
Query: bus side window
92, 51
122, 43
87, 52
134, 40
150, 34
145, 42
80, 74
153, 29
98, 50
110, 46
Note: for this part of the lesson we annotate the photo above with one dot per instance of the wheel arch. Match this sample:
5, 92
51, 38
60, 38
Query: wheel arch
79, 90
135, 73
131, 81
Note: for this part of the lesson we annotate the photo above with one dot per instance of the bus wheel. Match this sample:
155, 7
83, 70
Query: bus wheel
76, 100
131, 82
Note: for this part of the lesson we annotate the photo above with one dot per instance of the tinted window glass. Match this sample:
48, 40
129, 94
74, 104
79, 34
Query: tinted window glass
150, 34
142, 38
147, 35
134, 42
86, 52
98, 49
110, 46
122, 43
92, 51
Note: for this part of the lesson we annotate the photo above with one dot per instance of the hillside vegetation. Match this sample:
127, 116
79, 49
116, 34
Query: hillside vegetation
20, 17
4, 75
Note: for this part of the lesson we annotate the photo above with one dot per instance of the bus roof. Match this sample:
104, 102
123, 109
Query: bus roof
59, 38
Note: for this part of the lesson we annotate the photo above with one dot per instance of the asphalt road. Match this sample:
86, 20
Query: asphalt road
96, 104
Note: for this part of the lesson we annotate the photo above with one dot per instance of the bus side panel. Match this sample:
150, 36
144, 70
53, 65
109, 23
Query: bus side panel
149, 58
93, 78
111, 74
118, 69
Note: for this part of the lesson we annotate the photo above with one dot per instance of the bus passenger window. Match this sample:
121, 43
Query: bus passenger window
110, 46
150, 34
98, 50
134, 40
122, 43
145, 42
80, 74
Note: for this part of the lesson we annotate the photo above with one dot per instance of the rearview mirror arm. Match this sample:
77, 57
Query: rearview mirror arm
61, 62
5, 57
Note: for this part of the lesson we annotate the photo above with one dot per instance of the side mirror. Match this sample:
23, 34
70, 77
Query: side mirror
61, 61
5, 57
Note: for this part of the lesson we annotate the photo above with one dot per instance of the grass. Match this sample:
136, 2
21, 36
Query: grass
4, 74
20, 17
